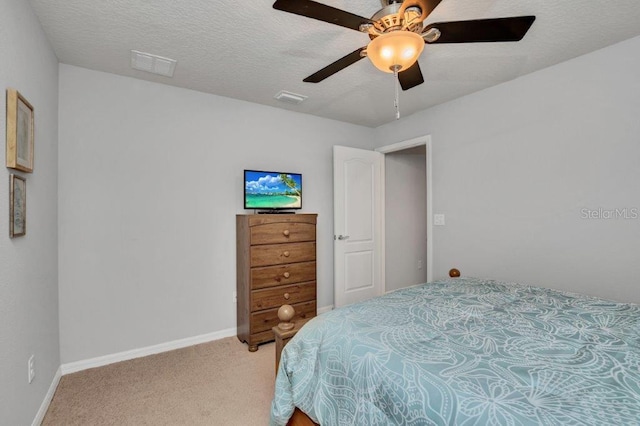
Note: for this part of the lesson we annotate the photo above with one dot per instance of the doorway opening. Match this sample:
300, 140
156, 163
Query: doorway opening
407, 205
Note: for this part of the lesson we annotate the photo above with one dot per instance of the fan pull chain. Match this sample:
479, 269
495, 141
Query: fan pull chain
396, 83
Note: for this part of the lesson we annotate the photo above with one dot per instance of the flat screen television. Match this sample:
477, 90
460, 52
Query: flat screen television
264, 190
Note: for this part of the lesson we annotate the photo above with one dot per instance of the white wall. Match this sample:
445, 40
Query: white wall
405, 218
150, 183
28, 264
514, 165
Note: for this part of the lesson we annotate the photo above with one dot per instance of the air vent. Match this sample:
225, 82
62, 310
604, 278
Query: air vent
290, 98
152, 63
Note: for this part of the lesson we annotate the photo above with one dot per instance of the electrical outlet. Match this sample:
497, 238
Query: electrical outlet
438, 219
235, 297
419, 264
32, 367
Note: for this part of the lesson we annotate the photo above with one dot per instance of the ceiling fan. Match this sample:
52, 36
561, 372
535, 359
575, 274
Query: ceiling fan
398, 34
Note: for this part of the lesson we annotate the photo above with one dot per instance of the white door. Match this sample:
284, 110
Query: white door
358, 214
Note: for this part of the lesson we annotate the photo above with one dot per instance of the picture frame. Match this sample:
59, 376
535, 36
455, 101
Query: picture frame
17, 206
20, 132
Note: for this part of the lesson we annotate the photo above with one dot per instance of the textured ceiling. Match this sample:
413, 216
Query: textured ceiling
250, 51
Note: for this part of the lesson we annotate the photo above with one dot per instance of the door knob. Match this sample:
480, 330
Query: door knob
343, 237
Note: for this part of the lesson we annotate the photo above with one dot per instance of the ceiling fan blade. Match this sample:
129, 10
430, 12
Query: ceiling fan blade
322, 12
426, 6
411, 77
333, 68
483, 30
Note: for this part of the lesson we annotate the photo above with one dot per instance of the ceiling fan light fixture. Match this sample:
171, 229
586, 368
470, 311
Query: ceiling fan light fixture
395, 50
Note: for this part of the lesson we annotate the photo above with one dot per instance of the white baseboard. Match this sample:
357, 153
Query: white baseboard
74, 367
324, 309
100, 361
47, 399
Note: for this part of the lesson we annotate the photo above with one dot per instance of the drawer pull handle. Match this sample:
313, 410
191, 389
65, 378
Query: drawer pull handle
286, 275
286, 296
285, 232
286, 254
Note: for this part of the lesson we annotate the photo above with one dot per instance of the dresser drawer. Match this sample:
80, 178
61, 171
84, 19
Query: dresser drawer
278, 296
277, 254
285, 232
265, 320
270, 276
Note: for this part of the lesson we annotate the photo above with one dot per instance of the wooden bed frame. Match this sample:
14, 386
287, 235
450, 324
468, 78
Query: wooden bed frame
299, 418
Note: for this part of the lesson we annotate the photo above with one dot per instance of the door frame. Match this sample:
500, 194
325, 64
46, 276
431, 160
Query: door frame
421, 140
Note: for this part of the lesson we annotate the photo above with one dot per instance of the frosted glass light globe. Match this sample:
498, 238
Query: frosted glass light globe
397, 49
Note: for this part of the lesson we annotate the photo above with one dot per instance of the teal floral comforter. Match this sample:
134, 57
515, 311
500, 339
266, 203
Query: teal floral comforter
466, 352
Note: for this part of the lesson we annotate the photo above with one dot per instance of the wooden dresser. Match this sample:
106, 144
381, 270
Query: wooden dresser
276, 265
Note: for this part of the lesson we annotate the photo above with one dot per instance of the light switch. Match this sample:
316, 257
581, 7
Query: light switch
438, 219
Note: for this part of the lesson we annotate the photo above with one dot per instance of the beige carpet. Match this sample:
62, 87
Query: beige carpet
216, 383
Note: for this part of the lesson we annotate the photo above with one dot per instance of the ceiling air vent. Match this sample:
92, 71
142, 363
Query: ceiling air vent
152, 63
290, 98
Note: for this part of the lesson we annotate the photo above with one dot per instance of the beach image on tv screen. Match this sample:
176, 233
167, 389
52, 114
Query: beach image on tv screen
269, 190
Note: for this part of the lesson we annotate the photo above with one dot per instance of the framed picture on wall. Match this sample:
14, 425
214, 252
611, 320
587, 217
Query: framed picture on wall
20, 132
17, 206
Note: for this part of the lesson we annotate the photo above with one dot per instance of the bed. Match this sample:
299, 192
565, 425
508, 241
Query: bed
465, 351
